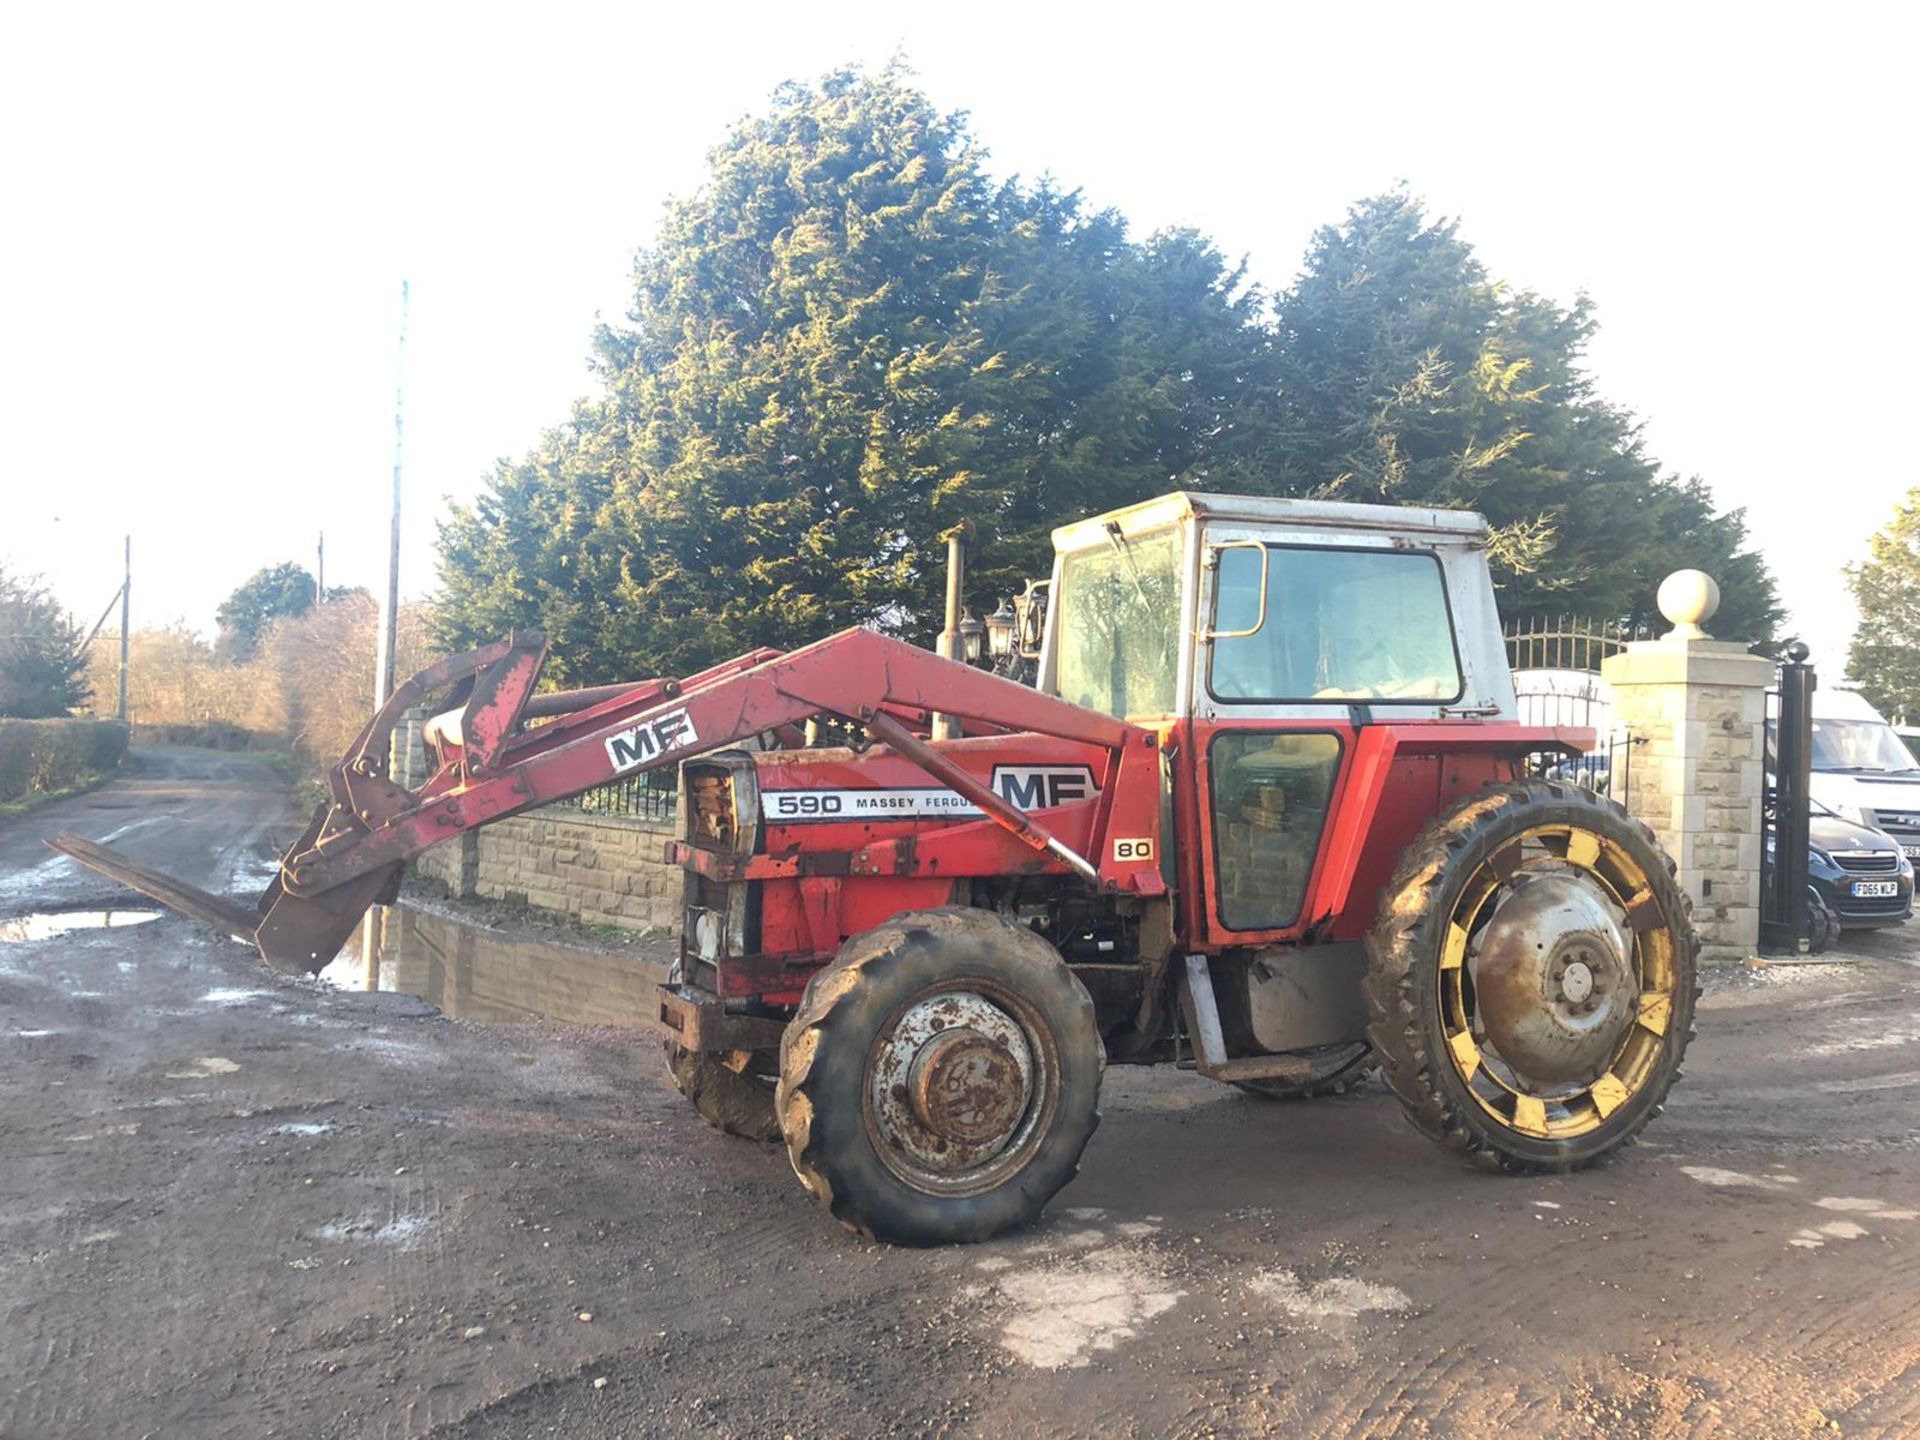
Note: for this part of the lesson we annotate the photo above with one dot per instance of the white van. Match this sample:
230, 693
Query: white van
1861, 769
1909, 736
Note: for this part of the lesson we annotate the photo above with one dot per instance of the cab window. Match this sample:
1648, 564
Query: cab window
1270, 793
1346, 625
1119, 626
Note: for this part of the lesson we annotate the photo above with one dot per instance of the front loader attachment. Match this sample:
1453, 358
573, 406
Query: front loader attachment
488, 764
220, 913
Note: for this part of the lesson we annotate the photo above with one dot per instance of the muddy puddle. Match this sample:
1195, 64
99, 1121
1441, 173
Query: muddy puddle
477, 974
47, 926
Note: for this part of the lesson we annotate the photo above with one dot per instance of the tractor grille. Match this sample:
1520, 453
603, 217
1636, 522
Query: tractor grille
719, 810
1866, 862
711, 818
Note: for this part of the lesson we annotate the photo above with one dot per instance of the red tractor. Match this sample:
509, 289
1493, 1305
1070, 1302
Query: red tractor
1264, 811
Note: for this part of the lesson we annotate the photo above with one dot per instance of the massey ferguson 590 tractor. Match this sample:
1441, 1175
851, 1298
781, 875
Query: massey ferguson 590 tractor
1264, 812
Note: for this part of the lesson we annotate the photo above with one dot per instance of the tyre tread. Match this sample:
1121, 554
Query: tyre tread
730, 1102
823, 1010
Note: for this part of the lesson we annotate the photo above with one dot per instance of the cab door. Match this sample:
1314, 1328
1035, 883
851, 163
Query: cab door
1308, 646
1264, 796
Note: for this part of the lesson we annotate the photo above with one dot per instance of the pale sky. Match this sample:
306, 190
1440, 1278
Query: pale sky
206, 213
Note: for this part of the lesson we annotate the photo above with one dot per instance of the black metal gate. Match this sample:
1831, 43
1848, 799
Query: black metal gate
1556, 681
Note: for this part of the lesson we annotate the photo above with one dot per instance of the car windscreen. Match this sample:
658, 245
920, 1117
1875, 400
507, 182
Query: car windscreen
1859, 747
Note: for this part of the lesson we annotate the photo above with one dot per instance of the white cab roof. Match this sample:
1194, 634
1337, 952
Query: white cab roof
1455, 525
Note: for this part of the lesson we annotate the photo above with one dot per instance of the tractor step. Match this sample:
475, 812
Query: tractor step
1210, 1042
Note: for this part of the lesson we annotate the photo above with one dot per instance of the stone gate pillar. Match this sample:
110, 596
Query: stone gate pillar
1694, 713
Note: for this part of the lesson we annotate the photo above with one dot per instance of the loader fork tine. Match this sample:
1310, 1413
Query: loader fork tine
215, 910
295, 935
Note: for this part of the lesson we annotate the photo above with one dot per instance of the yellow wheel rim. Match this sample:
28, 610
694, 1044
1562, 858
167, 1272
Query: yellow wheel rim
1566, 1111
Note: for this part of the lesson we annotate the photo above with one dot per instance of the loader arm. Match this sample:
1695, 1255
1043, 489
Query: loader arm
492, 766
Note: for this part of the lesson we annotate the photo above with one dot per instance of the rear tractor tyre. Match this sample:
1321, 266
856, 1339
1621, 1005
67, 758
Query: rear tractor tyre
1331, 1070
941, 1078
1531, 983
732, 1092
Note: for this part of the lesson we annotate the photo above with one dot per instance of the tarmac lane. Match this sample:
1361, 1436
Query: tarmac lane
236, 1204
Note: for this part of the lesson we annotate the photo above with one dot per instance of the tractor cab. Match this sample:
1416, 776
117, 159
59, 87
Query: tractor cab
1262, 639
1234, 607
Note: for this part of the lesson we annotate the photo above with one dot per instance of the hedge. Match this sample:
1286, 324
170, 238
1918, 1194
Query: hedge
37, 756
208, 735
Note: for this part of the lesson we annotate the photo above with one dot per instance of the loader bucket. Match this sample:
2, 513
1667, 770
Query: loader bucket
295, 935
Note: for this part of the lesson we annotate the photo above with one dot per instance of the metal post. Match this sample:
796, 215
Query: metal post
947, 727
1793, 759
389, 613
126, 610
320, 570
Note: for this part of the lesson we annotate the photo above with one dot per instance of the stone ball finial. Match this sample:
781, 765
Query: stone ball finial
1688, 598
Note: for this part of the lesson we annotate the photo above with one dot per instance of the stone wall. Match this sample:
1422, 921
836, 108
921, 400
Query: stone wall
596, 869
452, 863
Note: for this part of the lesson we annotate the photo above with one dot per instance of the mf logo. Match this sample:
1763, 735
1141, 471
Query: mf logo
1041, 787
649, 740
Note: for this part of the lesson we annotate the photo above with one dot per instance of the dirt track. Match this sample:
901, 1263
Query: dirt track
236, 1205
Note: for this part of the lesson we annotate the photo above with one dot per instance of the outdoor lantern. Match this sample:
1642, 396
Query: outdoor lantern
972, 639
1000, 627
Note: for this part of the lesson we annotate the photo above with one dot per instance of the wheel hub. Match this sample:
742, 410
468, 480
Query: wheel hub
1553, 980
952, 1083
966, 1086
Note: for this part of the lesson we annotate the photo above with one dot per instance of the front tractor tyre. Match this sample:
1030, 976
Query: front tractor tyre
941, 1078
1531, 979
733, 1092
